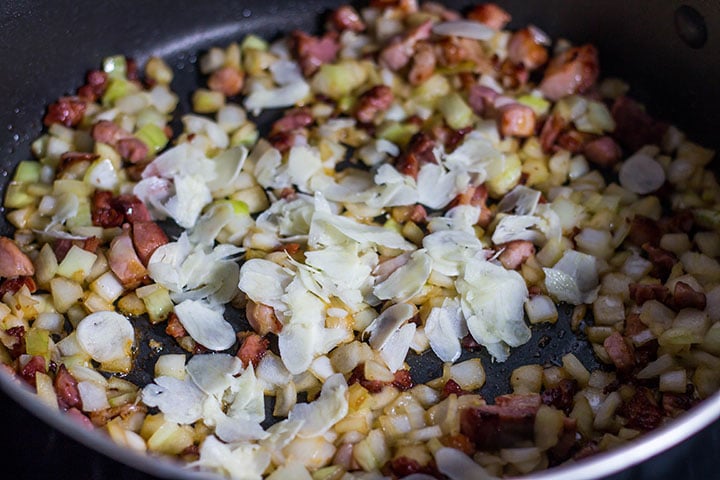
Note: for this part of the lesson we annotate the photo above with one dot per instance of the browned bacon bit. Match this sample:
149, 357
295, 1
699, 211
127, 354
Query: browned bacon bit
68, 159
97, 81
644, 230
516, 120
512, 75
293, 120
403, 466
374, 101
572, 140
252, 350
347, 18
13, 262
620, 352
418, 152
491, 15
459, 442
523, 48
550, 131
34, 365
418, 214
17, 348
103, 212
132, 208
147, 237
132, 149
60, 247
398, 53
405, 6
453, 51
603, 152
641, 410
108, 132
633, 326
124, 262
452, 387
12, 285
469, 343
662, 260
402, 380
685, 296
80, 418
482, 100
560, 396
560, 452
174, 328
572, 71
680, 222
634, 128
67, 111
510, 421
674, 404
228, 80
312, 52
515, 253
262, 318
441, 11
423, 63
642, 292
66, 387
131, 69
588, 450
476, 196
358, 376
100, 418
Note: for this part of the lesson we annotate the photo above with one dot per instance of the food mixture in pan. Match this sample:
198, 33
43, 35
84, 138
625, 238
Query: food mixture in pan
434, 183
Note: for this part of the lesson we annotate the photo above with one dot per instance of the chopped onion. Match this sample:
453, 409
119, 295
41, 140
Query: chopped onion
641, 174
106, 336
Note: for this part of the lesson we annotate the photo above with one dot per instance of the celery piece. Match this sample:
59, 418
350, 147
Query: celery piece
17, 196
27, 171
253, 42
115, 66
456, 112
391, 224
239, 207
117, 88
83, 218
157, 302
397, 133
152, 136
207, 101
156, 69
337, 80
430, 90
37, 342
246, 135
538, 104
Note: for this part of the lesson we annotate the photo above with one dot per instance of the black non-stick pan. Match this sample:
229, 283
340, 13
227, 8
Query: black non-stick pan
667, 50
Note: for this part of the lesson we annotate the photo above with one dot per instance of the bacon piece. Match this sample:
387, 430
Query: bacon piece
452, 387
132, 208
482, 100
439, 10
124, 261
662, 260
108, 132
18, 347
418, 214
491, 15
680, 222
68, 159
642, 292
603, 152
620, 352
405, 6
510, 421
68, 111
453, 51
567, 441
423, 63
66, 389
524, 49
347, 18
34, 365
227, 80
515, 253
312, 52
685, 296
174, 328
80, 418
634, 128
459, 442
516, 120
403, 466
293, 120
572, 71
644, 230
97, 81
132, 149
402, 380
674, 404
561, 396
376, 100
398, 53
13, 262
262, 318
147, 237
252, 349
418, 152
476, 196
103, 212
100, 418
641, 410
12, 285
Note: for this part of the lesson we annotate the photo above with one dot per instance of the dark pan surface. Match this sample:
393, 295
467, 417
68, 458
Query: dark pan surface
47, 46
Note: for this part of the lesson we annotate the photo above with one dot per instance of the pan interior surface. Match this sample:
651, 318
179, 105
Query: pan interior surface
75, 36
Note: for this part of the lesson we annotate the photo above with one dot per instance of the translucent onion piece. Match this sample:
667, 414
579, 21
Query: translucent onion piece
641, 174
464, 28
459, 466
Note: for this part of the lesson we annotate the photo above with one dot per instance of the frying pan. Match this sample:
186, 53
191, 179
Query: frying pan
667, 51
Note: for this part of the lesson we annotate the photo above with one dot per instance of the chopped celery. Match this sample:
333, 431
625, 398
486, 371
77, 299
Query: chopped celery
430, 90
253, 42
393, 225
83, 218
17, 196
156, 69
538, 104
115, 66
207, 101
157, 302
246, 135
117, 88
398, 133
27, 171
153, 136
337, 80
37, 342
456, 112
